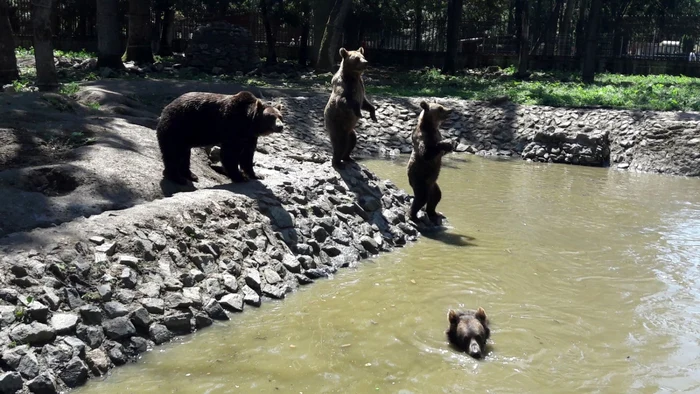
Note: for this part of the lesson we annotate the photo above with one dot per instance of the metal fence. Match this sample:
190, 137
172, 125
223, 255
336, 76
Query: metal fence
631, 37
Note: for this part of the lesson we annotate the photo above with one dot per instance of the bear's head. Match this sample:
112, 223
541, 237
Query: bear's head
469, 331
269, 118
353, 61
434, 113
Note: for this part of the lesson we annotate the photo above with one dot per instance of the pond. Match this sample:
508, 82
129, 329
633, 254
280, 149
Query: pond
590, 279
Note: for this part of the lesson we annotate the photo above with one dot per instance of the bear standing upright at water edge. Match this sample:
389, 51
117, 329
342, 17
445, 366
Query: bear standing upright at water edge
198, 119
426, 159
347, 100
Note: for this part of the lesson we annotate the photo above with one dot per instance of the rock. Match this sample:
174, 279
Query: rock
97, 361
116, 354
230, 283
107, 248
252, 278
34, 333
320, 234
214, 309
10, 382
38, 311
93, 336
250, 296
90, 314
271, 276
105, 292
369, 244
141, 318
28, 366
75, 373
202, 320
45, 383
129, 261
159, 333
11, 357
57, 354
154, 305
118, 328
178, 322
128, 278
115, 309
233, 302
64, 323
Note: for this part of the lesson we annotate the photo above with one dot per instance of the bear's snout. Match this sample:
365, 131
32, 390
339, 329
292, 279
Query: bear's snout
279, 126
474, 349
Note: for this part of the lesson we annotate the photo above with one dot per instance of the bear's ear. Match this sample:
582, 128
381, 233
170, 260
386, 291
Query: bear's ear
481, 314
452, 317
343, 53
259, 107
424, 105
361, 50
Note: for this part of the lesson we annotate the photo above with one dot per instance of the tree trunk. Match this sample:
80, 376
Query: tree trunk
329, 42
305, 29
523, 11
46, 77
8, 61
168, 32
138, 46
454, 17
109, 45
564, 45
269, 33
580, 32
418, 10
551, 29
322, 11
588, 73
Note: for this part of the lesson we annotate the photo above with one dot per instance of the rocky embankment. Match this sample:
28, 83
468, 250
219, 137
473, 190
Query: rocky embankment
94, 293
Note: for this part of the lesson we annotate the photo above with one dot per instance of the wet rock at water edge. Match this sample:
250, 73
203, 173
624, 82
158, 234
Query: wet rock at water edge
75, 373
45, 383
160, 333
118, 328
214, 309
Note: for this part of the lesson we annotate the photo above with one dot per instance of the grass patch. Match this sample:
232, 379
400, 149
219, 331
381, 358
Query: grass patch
82, 54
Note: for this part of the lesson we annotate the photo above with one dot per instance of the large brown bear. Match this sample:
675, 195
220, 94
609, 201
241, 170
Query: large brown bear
469, 331
343, 108
426, 159
198, 119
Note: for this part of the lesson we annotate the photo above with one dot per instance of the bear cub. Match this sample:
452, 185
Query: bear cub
345, 103
469, 331
424, 164
198, 119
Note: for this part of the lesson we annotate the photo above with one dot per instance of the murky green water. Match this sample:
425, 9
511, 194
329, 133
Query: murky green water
590, 279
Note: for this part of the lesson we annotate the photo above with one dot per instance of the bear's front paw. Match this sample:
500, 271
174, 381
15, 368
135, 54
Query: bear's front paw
373, 115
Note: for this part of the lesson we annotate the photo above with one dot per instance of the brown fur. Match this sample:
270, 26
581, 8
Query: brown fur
198, 119
343, 108
469, 331
426, 159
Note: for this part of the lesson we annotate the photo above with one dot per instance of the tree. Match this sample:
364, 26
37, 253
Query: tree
46, 76
418, 14
138, 46
331, 35
305, 30
454, 17
109, 46
270, 36
167, 32
522, 12
588, 73
8, 61
564, 46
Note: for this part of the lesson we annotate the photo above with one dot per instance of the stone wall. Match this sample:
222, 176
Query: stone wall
220, 47
83, 297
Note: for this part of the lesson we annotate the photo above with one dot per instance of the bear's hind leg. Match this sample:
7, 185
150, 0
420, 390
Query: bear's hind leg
434, 197
352, 141
338, 143
420, 197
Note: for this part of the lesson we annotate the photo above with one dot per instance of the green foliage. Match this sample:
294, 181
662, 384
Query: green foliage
82, 54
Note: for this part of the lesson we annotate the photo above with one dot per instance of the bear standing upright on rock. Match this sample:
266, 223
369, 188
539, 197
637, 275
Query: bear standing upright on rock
343, 108
426, 159
198, 119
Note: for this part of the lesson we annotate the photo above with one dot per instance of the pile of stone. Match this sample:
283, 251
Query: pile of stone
105, 289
